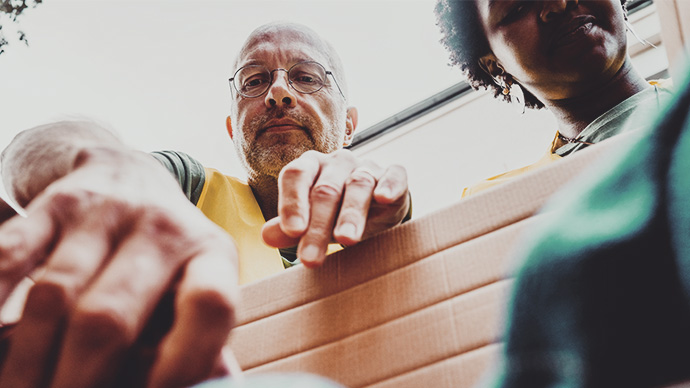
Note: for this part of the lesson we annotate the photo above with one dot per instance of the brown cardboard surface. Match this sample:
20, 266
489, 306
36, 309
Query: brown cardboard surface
441, 276
463, 371
459, 325
419, 238
418, 305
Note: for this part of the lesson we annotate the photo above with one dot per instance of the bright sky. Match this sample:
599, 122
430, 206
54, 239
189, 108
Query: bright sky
156, 71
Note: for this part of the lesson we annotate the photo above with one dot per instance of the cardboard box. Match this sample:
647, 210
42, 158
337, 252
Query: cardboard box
420, 305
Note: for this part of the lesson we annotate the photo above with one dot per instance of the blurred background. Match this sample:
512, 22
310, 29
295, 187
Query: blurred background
156, 72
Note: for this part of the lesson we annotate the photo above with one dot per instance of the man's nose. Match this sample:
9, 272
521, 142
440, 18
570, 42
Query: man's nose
280, 93
552, 9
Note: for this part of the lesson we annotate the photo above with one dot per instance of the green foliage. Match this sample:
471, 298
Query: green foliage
10, 10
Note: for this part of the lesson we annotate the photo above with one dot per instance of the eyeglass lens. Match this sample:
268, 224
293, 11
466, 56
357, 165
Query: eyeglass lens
254, 80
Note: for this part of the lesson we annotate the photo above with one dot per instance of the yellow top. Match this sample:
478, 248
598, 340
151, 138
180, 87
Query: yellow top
550, 157
230, 203
629, 115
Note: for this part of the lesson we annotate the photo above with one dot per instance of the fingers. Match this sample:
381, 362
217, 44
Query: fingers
325, 200
355, 206
6, 211
204, 316
75, 260
392, 186
273, 235
24, 244
294, 185
110, 315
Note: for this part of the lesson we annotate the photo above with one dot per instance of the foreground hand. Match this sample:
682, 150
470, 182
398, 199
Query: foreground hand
114, 237
6, 211
334, 197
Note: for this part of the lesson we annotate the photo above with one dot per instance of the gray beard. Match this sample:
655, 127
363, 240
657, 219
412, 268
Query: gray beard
267, 159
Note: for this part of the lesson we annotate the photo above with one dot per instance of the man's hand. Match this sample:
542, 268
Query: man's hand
6, 211
114, 236
334, 197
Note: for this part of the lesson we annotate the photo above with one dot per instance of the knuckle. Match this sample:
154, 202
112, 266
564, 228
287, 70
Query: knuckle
101, 328
396, 172
69, 205
361, 179
292, 171
75, 206
326, 191
13, 253
158, 223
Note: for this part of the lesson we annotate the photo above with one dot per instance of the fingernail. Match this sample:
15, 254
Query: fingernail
309, 253
295, 222
348, 230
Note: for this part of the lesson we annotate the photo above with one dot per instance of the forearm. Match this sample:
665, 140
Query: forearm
41, 155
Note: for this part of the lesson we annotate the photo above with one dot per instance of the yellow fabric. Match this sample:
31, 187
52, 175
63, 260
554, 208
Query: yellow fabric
501, 178
230, 203
551, 156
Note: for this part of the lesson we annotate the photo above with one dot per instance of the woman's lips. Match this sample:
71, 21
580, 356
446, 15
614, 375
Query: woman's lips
573, 31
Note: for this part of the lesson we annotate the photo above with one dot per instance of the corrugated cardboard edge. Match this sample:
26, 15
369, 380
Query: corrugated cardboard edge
403, 245
434, 279
461, 371
459, 325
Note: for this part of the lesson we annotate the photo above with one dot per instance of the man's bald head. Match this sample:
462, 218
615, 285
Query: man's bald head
304, 34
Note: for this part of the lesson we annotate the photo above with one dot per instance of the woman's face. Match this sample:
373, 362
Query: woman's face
555, 48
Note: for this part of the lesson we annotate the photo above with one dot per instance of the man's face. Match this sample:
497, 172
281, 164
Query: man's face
556, 48
275, 128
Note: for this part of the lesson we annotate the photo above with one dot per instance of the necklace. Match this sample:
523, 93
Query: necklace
573, 140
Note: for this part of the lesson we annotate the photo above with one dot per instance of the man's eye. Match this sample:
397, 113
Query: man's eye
253, 82
305, 78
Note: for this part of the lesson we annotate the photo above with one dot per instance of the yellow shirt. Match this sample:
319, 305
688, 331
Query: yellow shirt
230, 203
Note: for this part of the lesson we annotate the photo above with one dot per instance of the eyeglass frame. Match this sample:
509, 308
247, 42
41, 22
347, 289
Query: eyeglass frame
328, 72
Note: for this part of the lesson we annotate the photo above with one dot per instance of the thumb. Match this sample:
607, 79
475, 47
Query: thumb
274, 236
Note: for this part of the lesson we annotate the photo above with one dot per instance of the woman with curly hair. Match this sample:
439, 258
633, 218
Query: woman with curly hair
568, 56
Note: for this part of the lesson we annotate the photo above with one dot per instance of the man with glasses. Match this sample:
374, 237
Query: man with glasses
122, 252
289, 113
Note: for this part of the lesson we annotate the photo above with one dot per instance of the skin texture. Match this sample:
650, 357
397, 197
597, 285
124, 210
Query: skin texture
570, 54
311, 191
120, 249
136, 286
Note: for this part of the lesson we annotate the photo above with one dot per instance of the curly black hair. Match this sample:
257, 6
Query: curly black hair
463, 36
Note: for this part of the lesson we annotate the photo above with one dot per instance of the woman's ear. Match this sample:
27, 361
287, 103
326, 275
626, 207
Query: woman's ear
489, 63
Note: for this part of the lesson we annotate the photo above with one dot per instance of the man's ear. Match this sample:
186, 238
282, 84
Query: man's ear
228, 124
489, 63
350, 125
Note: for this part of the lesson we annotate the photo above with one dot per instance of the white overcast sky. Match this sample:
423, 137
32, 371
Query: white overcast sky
156, 71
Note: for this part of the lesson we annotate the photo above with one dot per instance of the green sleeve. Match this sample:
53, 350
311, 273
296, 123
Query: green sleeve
190, 174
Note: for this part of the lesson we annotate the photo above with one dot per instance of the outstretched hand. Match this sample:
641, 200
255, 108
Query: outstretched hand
114, 236
334, 197
6, 211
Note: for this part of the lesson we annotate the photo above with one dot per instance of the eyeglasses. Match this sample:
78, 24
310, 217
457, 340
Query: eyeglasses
305, 77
